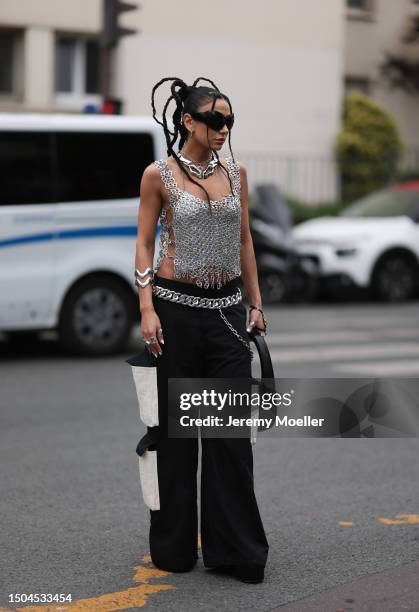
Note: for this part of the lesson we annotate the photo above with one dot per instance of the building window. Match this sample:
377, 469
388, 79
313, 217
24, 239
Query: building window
360, 9
9, 59
92, 67
358, 4
76, 66
358, 83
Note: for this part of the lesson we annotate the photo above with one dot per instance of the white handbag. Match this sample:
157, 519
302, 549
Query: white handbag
147, 463
144, 372
149, 479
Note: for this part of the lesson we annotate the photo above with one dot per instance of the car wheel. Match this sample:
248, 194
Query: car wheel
96, 317
394, 278
272, 287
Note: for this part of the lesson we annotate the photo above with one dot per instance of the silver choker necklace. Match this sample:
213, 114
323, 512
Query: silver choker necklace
200, 170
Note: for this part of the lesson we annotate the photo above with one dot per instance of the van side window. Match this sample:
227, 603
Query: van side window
101, 165
25, 168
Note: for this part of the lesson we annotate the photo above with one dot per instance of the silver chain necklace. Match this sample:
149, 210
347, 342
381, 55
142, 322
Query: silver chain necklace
200, 170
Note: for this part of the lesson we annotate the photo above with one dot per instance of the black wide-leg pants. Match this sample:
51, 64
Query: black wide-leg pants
198, 343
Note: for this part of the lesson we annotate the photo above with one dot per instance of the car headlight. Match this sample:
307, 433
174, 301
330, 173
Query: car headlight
351, 246
345, 251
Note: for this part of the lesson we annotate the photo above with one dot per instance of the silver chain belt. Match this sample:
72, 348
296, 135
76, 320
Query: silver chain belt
204, 302
195, 301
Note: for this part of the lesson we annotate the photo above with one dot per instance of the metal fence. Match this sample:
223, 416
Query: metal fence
311, 178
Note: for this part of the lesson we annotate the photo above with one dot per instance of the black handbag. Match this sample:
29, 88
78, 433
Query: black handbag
266, 383
266, 368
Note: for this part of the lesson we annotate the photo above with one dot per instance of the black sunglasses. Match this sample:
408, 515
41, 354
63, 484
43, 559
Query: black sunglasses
214, 119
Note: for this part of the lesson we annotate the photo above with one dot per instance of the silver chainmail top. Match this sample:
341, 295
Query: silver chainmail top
207, 245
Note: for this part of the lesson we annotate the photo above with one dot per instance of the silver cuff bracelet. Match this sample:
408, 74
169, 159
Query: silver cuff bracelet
142, 274
139, 275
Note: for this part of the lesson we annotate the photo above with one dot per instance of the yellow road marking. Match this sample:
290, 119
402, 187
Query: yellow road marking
133, 597
401, 519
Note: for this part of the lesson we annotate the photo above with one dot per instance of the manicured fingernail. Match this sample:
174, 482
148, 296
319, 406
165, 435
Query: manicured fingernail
155, 355
160, 353
162, 341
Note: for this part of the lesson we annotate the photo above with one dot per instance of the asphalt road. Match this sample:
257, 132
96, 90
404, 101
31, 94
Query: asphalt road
341, 515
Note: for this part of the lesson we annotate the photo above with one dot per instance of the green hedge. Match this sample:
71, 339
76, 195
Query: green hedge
368, 148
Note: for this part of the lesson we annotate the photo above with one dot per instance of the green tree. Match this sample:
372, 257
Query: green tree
368, 147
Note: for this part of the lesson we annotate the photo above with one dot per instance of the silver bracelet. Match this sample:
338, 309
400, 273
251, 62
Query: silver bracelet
138, 275
142, 274
145, 283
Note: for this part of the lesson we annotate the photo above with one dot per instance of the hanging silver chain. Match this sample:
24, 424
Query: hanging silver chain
236, 333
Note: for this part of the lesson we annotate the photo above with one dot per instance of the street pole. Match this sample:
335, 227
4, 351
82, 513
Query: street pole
110, 36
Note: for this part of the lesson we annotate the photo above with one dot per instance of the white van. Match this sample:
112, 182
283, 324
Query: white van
69, 196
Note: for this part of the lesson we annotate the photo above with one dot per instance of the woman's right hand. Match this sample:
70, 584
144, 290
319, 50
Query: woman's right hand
151, 328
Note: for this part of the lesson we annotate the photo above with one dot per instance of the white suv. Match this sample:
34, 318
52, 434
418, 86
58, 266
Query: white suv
373, 244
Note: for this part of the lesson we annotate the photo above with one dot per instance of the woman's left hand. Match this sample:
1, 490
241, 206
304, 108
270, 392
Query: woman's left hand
255, 322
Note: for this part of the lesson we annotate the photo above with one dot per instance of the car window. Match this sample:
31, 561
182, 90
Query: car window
25, 168
101, 165
384, 203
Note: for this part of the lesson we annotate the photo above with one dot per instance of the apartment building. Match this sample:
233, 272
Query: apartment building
281, 64
373, 29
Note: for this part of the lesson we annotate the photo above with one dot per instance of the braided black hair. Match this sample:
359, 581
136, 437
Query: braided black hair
188, 99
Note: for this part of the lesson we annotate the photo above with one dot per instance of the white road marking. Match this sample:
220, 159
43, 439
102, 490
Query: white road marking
332, 335
374, 368
334, 353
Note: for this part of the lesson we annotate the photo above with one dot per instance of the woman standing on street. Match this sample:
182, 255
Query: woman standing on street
194, 324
